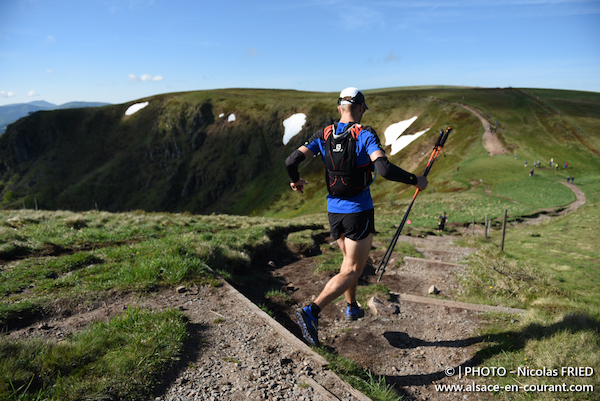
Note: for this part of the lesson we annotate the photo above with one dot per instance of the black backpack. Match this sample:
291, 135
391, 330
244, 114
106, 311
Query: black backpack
344, 178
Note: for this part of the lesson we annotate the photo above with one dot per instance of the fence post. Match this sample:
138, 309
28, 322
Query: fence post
485, 227
503, 230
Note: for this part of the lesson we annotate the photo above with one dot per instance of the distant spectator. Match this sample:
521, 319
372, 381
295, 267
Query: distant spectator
531, 173
568, 178
525, 163
442, 220
572, 178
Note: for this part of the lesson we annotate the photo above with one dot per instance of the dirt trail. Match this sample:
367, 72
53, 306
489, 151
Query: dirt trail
581, 199
491, 142
413, 348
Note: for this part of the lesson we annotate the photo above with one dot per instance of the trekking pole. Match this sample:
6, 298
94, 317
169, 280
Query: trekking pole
439, 144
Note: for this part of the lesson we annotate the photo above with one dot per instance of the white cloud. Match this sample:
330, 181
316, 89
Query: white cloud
7, 94
32, 93
50, 39
49, 71
144, 78
252, 52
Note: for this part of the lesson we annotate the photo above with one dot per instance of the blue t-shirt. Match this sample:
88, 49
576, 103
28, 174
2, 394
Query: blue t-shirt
367, 143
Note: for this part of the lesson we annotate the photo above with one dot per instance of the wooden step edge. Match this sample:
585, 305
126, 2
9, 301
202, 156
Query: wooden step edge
460, 305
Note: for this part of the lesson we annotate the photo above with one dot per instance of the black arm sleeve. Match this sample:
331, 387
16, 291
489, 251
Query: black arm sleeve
392, 172
291, 164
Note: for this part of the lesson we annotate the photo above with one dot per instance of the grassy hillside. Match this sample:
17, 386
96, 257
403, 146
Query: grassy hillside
182, 154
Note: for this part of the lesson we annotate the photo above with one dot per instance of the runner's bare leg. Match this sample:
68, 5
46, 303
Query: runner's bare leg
356, 254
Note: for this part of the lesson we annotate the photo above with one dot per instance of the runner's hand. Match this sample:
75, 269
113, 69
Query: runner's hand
299, 186
422, 182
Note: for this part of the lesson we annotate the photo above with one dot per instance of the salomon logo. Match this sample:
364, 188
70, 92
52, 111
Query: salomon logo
338, 148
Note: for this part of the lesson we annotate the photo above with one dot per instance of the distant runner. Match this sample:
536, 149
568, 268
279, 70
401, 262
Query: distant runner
349, 151
442, 220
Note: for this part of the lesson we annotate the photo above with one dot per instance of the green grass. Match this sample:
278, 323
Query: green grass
277, 294
139, 345
328, 263
550, 269
303, 240
536, 191
102, 255
360, 378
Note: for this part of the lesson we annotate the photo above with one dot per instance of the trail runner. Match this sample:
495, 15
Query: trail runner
349, 203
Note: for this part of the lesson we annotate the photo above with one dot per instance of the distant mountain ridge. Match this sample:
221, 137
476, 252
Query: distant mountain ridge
12, 112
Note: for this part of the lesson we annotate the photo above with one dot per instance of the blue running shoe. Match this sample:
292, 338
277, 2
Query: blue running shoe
353, 313
308, 324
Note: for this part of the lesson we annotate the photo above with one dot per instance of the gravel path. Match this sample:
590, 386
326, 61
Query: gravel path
240, 356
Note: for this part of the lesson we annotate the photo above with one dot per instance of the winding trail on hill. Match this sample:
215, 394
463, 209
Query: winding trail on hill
581, 198
491, 142
571, 207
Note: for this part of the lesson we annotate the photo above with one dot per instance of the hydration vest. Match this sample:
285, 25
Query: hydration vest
344, 178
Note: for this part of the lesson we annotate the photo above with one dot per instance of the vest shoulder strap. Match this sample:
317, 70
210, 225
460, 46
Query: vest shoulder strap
330, 130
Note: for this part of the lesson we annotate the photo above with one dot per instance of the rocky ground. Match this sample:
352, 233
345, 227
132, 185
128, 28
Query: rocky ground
413, 348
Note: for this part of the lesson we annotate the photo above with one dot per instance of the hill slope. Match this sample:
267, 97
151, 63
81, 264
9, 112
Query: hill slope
177, 154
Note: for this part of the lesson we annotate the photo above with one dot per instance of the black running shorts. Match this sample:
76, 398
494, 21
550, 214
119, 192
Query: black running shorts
355, 226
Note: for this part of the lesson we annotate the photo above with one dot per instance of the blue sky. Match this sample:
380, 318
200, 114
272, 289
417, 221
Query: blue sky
117, 51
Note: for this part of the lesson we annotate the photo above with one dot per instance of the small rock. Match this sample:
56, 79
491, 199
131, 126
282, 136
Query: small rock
44, 326
181, 380
379, 308
433, 290
181, 289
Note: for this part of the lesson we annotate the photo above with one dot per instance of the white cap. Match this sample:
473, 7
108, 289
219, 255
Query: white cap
352, 95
